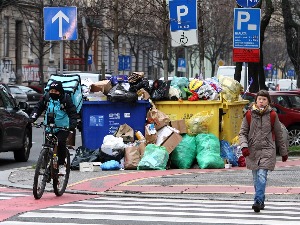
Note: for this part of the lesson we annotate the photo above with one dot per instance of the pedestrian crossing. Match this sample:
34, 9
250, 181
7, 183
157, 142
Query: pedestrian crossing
7, 193
6, 196
108, 210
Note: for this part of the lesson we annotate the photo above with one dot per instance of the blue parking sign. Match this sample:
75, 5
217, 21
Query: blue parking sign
291, 73
246, 32
183, 14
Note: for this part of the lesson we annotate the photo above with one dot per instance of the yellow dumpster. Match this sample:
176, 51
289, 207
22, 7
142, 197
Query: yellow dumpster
177, 110
232, 119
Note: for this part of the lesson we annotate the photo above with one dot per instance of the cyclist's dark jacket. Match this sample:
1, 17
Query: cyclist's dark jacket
64, 109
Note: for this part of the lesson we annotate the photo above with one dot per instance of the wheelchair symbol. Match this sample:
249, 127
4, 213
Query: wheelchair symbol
183, 40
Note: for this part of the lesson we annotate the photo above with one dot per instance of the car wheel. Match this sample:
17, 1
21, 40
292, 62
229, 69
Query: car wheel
22, 155
294, 135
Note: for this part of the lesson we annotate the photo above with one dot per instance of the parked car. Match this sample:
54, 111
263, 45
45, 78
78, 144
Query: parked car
15, 127
17, 93
288, 99
37, 88
289, 117
32, 97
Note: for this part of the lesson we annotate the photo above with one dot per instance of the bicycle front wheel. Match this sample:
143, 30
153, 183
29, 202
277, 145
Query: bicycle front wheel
41, 174
60, 182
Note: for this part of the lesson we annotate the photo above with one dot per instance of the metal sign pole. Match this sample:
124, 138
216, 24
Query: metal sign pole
61, 53
186, 55
246, 83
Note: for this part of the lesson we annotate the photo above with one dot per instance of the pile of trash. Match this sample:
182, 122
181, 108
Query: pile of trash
136, 86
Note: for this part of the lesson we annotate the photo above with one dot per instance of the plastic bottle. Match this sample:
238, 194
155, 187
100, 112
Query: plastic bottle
139, 135
55, 161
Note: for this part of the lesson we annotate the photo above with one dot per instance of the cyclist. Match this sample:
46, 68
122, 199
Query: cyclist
56, 103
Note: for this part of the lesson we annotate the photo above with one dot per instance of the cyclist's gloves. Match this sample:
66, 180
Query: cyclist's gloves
33, 118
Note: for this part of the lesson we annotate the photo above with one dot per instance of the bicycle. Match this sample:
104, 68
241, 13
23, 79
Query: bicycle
47, 167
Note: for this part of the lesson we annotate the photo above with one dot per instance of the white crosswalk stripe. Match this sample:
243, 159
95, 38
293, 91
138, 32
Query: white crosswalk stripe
129, 210
5, 196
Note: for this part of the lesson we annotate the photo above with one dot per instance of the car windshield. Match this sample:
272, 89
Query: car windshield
295, 100
16, 90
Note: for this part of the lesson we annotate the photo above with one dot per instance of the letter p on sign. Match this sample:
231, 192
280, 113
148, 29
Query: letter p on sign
182, 11
244, 17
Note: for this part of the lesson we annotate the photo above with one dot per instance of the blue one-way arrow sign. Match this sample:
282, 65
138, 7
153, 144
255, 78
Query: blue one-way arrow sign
60, 23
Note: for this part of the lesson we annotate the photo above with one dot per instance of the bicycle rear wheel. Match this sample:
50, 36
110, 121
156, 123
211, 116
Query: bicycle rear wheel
60, 182
42, 173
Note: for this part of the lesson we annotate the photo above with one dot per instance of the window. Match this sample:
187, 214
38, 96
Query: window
6, 36
30, 40
1, 102
281, 101
295, 101
6, 99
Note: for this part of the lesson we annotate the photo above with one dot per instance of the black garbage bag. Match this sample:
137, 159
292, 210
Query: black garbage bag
160, 90
144, 83
117, 155
84, 155
119, 94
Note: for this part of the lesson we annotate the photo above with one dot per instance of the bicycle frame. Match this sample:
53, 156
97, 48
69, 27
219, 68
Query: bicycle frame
46, 160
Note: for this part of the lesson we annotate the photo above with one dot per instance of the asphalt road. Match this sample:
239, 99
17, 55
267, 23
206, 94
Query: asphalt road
7, 158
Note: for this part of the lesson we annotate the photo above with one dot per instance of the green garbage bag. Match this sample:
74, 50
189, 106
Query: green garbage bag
208, 152
185, 153
154, 158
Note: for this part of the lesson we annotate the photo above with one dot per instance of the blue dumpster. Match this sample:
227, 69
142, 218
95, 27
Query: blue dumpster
101, 118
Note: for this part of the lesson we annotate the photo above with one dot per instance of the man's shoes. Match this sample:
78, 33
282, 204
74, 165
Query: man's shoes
257, 207
61, 170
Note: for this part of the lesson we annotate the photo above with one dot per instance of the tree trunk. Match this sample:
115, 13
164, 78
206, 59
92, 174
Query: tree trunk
201, 42
165, 42
116, 37
292, 35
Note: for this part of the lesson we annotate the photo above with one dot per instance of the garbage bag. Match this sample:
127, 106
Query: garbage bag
160, 90
117, 155
84, 155
155, 158
227, 152
208, 152
200, 122
185, 153
111, 165
119, 94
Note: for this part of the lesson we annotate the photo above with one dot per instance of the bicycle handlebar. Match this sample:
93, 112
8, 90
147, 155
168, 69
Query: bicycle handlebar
51, 126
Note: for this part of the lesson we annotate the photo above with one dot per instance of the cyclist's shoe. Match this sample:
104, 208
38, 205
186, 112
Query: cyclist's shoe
62, 170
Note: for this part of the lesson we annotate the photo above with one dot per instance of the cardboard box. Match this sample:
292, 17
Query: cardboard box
171, 143
169, 138
89, 166
104, 86
179, 125
163, 134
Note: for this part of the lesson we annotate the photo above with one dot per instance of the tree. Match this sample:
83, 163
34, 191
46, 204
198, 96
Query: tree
215, 28
291, 16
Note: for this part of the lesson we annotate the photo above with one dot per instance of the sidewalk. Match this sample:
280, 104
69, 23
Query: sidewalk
235, 183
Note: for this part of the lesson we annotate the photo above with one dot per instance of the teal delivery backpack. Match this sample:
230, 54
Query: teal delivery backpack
71, 85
